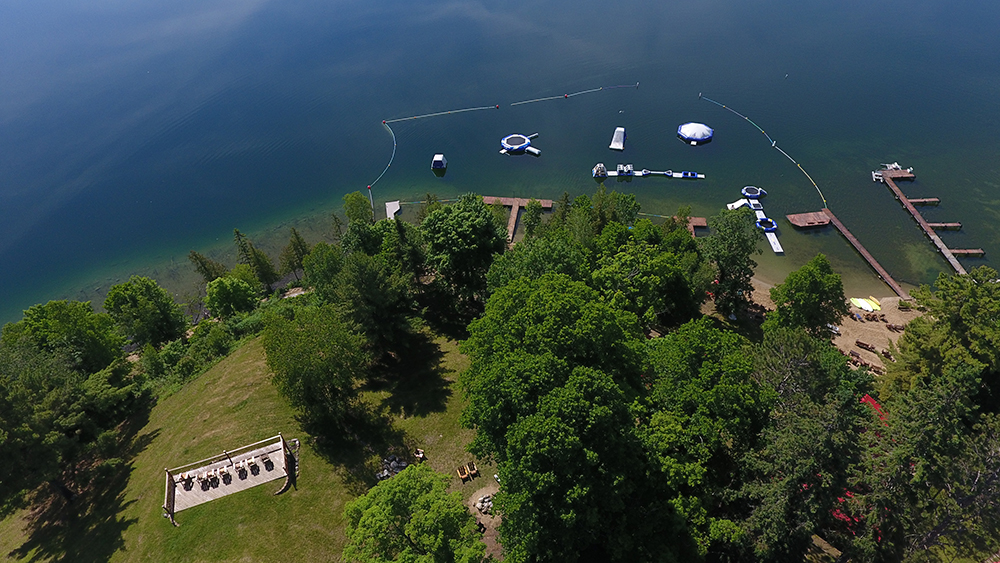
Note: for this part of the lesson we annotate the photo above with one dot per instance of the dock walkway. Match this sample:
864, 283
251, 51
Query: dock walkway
887, 178
515, 204
882, 273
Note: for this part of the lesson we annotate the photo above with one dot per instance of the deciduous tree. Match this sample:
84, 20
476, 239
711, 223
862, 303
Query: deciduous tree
731, 247
89, 339
316, 359
462, 240
811, 298
145, 311
412, 517
227, 296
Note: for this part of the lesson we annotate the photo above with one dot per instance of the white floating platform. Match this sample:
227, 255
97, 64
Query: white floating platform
668, 173
391, 209
758, 210
618, 140
775, 245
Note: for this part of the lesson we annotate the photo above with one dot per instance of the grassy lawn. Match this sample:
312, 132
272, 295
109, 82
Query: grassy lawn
231, 405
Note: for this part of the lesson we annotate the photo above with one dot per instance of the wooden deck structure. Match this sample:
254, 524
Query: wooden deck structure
882, 273
231, 472
946, 227
805, 220
924, 200
515, 204
888, 177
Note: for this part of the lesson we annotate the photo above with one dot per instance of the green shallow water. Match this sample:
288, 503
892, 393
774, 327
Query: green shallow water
132, 134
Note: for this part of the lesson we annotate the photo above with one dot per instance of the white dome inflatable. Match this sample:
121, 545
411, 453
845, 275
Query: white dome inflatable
695, 133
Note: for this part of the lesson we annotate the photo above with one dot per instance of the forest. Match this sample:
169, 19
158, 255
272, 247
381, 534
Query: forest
634, 407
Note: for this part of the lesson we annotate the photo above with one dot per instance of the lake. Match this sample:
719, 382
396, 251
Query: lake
131, 133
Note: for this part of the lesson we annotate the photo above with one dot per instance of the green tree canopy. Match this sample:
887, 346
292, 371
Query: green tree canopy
376, 301
412, 518
554, 253
227, 296
145, 311
51, 416
731, 247
811, 298
316, 359
89, 339
462, 240
322, 266
642, 279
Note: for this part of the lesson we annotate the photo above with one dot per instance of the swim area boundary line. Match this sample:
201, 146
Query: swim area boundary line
386, 122
774, 143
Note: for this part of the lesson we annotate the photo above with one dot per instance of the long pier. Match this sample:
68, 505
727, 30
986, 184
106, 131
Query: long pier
887, 178
882, 273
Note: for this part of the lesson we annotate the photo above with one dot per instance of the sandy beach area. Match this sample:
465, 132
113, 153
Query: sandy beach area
871, 332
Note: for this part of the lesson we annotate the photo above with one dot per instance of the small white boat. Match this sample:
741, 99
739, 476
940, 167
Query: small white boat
439, 162
618, 140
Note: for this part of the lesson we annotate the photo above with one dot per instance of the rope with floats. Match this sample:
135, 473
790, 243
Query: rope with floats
386, 122
774, 143
580, 93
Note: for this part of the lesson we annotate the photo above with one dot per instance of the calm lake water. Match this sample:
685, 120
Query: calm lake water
132, 132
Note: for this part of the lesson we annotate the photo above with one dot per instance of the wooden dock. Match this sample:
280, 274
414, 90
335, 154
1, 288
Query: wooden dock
888, 177
924, 200
515, 204
969, 251
882, 273
805, 220
946, 227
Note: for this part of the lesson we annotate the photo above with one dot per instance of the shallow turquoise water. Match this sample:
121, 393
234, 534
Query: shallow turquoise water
131, 134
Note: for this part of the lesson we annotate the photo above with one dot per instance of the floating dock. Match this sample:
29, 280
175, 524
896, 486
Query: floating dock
629, 171
893, 172
806, 220
618, 140
758, 209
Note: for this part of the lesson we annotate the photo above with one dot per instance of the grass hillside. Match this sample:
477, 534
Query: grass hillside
231, 405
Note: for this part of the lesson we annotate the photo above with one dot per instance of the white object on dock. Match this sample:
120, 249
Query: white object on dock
391, 209
618, 140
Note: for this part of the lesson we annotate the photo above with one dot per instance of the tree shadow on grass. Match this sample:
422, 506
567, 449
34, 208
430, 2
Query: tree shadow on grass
415, 381
358, 444
90, 527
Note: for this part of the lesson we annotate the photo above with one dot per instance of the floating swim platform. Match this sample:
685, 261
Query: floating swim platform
769, 226
618, 140
600, 171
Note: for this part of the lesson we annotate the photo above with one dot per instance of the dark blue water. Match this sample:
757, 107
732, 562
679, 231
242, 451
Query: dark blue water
131, 133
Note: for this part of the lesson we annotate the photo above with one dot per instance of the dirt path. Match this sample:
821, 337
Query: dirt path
490, 521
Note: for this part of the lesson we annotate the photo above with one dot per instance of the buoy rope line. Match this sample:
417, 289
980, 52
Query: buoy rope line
580, 93
772, 141
386, 122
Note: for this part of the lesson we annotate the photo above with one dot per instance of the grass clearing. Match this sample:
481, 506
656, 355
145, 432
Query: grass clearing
230, 405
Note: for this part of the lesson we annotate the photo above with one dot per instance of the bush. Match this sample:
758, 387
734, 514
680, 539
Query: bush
172, 352
210, 341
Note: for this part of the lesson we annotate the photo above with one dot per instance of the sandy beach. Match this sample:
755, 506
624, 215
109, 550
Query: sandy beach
874, 333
